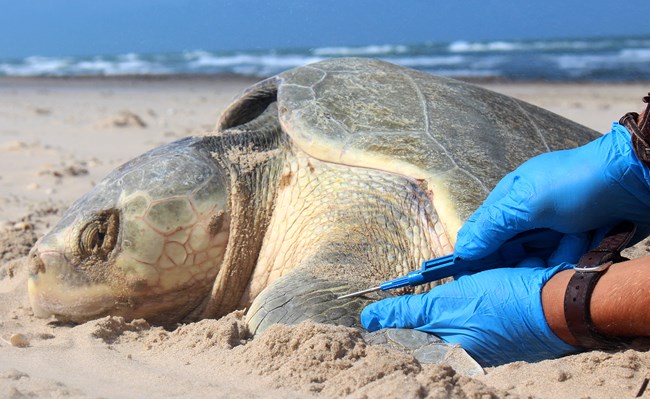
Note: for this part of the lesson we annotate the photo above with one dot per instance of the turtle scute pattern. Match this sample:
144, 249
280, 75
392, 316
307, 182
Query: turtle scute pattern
457, 136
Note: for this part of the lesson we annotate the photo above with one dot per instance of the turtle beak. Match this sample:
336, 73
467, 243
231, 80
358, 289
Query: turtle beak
55, 288
36, 268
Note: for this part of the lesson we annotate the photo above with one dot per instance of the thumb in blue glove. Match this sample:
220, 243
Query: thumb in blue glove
573, 191
495, 315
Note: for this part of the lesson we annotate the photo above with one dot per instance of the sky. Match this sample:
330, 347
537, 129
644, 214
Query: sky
104, 27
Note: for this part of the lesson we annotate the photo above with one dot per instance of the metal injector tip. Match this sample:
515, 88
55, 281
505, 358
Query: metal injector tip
359, 293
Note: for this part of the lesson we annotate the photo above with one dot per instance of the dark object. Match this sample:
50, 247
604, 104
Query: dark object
640, 134
589, 269
644, 385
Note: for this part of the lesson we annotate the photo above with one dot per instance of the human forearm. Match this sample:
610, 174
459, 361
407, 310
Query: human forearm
619, 303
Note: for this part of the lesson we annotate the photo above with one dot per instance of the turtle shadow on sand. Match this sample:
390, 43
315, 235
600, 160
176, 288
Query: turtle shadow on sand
320, 181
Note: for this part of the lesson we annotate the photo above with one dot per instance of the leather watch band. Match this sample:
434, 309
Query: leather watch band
589, 269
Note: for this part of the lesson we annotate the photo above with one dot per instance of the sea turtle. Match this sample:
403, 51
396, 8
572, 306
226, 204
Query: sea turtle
325, 179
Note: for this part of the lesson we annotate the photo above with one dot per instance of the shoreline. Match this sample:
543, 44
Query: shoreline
216, 77
131, 77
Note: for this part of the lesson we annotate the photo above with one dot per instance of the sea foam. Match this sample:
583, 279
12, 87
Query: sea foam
605, 59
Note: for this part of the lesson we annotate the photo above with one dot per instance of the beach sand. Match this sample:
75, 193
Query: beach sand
58, 137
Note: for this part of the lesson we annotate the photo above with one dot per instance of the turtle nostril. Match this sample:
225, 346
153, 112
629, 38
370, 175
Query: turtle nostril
36, 265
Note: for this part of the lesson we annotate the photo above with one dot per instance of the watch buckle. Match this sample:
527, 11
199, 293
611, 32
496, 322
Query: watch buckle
593, 269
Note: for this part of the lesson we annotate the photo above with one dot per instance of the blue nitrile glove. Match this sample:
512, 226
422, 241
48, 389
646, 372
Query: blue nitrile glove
573, 191
495, 315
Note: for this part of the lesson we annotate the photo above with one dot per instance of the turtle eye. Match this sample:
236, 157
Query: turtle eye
89, 239
99, 236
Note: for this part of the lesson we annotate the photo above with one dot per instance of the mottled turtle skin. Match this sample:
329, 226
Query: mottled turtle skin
322, 180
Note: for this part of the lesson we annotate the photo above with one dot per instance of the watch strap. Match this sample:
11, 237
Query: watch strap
590, 268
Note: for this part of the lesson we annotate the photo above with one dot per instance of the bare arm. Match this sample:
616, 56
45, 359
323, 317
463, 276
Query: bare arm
620, 303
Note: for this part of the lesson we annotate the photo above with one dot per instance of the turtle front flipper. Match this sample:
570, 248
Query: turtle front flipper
302, 296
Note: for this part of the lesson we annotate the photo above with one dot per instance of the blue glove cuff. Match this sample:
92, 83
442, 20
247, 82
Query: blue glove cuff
554, 343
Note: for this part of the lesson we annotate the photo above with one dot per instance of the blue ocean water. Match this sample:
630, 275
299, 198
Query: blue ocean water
596, 59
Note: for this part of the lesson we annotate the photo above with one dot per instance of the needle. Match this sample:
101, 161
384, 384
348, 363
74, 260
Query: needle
359, 293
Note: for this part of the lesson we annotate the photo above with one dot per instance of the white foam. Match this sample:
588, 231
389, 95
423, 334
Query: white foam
35, 65
466, 47
248, 64
423, 62
468, 73
607, 58
364, 50
636, 54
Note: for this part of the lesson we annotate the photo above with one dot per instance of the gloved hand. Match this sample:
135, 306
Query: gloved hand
573, 191
495, 315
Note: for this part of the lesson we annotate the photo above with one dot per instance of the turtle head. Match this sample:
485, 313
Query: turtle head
146, 242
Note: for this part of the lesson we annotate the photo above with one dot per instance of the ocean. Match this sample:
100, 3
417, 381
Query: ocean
596, 59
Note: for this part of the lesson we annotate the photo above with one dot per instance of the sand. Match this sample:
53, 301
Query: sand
60, 136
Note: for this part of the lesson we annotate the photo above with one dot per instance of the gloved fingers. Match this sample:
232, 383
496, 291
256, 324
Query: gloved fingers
496, 222
498, 192
407, 311
502, 189
531, 263
570, 249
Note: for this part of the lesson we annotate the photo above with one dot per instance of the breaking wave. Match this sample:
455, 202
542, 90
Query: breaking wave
606, 59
